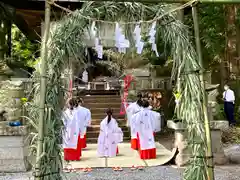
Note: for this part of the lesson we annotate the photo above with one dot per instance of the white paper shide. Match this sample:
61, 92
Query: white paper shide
152, 39
120, 41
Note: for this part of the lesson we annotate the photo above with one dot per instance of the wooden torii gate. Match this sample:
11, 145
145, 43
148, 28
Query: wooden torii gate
44, 50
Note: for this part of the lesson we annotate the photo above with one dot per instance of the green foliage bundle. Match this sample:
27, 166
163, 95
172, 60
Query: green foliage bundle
66, 43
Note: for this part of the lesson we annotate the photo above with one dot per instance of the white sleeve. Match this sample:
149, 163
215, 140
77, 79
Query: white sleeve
88, 118
232, 97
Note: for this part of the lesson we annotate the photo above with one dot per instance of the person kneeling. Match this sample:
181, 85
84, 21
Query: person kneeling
109, 137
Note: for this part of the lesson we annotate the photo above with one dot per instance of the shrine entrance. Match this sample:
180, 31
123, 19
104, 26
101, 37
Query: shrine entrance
67, 41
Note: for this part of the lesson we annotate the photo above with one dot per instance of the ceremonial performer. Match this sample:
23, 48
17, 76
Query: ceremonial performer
144, 122
131, 110
109, 137
71, 135
83, 115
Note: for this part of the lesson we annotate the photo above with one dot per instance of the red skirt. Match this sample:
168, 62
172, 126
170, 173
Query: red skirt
73, 154
134, 144
84, 141
148, 153
117, 151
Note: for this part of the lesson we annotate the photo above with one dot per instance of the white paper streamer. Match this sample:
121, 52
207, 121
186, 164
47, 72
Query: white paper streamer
152, 39
99, 48
120, 41
137, 36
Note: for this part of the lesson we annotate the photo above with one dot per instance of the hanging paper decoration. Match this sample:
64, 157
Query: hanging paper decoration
120, 41
137, 35
99, 48
152, 39
93, 29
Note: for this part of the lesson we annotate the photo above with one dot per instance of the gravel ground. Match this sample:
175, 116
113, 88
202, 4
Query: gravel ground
153, 173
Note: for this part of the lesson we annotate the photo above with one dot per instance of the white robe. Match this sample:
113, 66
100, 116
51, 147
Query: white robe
144, 125
71, 130
109, 137
83, 117
132, 109
156, 121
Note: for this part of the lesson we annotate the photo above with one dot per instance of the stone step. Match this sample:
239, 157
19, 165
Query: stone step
102, 100
102, 105
96, 92
103, 110
102, 115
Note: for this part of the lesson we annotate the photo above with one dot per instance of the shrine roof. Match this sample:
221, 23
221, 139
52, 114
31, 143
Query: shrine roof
29, 14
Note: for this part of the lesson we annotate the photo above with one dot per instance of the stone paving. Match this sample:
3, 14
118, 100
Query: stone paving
151, 173
126, 158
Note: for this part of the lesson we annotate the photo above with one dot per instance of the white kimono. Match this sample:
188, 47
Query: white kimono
132, 109
144, 125
156, 121
83, 117
109, 137
71, 130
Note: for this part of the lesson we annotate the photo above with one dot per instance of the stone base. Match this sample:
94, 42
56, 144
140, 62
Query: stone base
184, 155
13, 154
233, 153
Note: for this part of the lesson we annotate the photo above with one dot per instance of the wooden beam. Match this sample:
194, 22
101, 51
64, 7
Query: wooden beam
158, 1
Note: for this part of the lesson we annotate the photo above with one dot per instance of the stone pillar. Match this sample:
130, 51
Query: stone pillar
180, 143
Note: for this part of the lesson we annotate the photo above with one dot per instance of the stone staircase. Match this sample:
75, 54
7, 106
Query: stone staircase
98, 105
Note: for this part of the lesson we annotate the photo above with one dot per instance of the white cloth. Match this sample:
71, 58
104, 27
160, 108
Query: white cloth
109, 137
229, 96
144, 125
156, 121
85, 76
71, 130
83, 117
132, 109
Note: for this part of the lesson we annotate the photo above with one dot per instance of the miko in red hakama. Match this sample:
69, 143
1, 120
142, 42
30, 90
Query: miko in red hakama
84, 141
71, 137
71, 154
145, 123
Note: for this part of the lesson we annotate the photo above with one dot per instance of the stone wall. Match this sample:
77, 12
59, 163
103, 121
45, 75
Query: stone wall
10, 99
13, 144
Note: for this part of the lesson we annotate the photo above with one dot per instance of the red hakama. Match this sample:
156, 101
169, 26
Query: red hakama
84, 142
134, 144
147, 153
73, 154
117, 151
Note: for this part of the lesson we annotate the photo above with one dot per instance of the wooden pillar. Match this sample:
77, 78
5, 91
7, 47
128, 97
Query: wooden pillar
3, 40
9, 38
209, 154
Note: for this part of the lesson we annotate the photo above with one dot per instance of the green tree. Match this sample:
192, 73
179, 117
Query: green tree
24, 52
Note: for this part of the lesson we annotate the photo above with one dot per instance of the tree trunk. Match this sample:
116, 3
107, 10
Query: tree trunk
231, 43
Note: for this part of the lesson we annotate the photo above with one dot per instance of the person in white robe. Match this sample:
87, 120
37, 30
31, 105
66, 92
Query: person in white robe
71, 136
145, 125
83, 115
109, 137
131, 110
